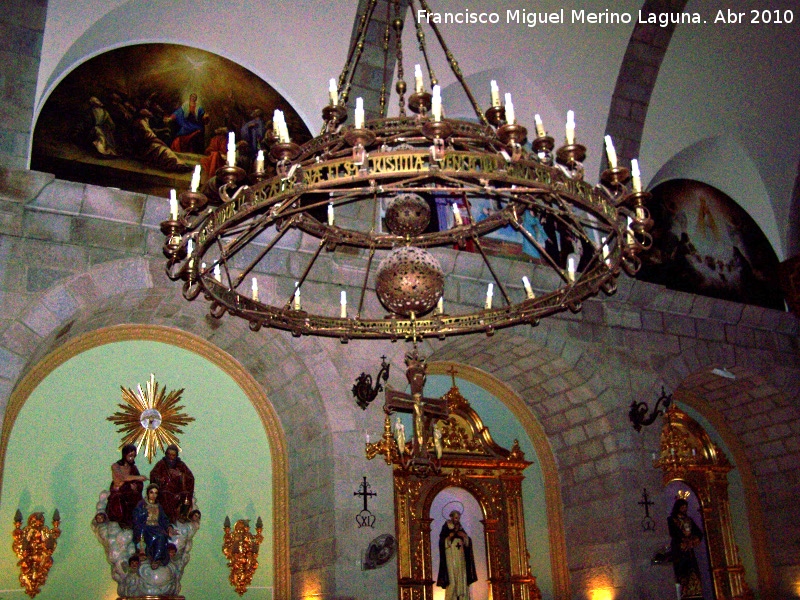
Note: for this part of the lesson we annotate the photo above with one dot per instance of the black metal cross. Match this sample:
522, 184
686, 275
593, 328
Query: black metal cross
363, 490
647, 523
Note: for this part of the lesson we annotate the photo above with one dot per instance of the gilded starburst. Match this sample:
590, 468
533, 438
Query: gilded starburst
150, 418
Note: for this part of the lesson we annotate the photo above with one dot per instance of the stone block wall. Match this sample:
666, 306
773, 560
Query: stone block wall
75, 258
21, 31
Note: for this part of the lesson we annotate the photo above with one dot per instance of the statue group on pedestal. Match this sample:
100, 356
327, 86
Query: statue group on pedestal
148, 538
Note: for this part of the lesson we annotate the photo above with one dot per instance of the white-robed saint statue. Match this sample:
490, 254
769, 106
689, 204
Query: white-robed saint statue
456, 561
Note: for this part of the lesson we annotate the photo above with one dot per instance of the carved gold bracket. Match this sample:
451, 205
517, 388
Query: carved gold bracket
34, 545
240, 547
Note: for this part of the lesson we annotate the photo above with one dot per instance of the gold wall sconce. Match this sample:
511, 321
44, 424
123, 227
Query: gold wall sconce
240, 547
34, 545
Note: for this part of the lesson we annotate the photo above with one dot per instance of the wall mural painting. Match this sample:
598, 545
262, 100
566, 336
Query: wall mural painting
704, 243
141, 117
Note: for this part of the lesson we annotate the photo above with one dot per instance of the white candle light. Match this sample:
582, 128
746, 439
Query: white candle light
540, 132
489, 294
527, 285
495, 93
231, 149
195, 179
418, 79
330, 214
359, 118
217, 273
343, 303
611, 153
173, 205
255, 289
440, 306
436, 103
571, 268
511, 118
636, 176
190, 246
260, 162
457, 215
296, 299
333, 92
570, 127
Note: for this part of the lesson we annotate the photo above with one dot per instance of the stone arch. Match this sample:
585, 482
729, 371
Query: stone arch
733, 407
544, 453
251, 388
142, 298
636, 79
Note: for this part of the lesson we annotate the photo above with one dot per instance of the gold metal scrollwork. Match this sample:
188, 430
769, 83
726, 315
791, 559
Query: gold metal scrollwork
240, 547
34, 545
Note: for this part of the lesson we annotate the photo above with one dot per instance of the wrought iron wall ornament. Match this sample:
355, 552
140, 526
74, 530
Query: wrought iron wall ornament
407, 162
240, 547
34, 545
365, 518
647, 522
638, 412
151, 418
363, 391
379, 552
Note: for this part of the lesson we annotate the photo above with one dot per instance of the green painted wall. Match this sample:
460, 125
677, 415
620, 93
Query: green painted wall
62, 446
505, 428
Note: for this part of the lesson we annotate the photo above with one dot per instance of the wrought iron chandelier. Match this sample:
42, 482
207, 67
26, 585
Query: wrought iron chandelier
402, 166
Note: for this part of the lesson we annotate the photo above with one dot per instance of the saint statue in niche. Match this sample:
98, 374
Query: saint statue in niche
456, 560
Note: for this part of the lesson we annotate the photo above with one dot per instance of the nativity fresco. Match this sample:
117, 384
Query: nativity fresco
141, 117
704, 243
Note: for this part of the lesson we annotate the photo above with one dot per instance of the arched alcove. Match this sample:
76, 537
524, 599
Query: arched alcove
235, 448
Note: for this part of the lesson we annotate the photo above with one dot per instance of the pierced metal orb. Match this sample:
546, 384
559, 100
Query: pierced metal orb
407, 214
409, 280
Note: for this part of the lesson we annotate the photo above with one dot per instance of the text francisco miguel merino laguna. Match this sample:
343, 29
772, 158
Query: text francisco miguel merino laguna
533, 18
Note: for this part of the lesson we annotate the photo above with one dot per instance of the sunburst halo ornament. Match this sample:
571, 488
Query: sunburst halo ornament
150, 418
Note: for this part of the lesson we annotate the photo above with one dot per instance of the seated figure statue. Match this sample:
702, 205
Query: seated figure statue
152, 528
149, 559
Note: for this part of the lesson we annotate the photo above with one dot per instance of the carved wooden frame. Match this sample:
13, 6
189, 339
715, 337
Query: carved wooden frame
493, 475
688, 454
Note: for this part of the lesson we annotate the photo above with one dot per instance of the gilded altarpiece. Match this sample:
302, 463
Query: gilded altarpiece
470, 460
688, 454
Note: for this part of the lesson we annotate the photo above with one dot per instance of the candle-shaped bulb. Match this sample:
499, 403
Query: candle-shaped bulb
570, 127
173, 205
366, 435
489, 294
195, 179
636, 176
495, 93
611, 153
418, 79
330, 214
255, 289
217, 273
231, 149
571, 268
440, 306
436, 103
190, 246
511, 118
296, 298
540, 132
457, 215
260, 162
528, 289
276, 129
359, 119
343, 304
333, 92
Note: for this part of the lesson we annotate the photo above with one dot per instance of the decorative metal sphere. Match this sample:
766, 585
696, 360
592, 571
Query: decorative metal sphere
409, 280
407, 214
